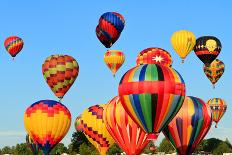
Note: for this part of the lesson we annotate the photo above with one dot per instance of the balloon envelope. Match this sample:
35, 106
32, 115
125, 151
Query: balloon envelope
189, 126
94, 128
60, 72
13, 45
114, 59
214, 71
207, 49
218, 107
183, 42
152, 95
109, 28
154, 55
127, 133
47, 122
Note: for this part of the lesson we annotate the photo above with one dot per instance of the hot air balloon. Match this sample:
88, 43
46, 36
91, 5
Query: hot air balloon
128, 135
114, 60
94, 128
214, 71
152, 95
109, 28
189, 126
47, 122
34, 147
13, 45
183, 42
60, 72
207, 49
154, 55
218, 107
78, 124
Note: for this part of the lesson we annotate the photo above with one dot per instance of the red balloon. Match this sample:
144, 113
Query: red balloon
13, 45
154, 55
127, 133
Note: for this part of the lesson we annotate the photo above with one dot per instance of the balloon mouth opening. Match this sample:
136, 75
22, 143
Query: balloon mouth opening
152, 136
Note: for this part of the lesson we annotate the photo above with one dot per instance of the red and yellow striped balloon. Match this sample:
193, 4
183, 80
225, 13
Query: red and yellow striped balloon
13, 45
154, 55
189, 126
218, 107
94, 127
127, 133
47, 122
60, 72
114, 60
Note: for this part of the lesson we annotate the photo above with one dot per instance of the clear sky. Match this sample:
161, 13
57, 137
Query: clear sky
68, 27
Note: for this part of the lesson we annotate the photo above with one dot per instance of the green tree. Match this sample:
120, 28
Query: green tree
78, 138
7, 150
166, 146
59, 149
222, 148
87, 150
22, 149
114, 150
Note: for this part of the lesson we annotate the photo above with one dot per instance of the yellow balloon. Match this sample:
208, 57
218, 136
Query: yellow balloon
183, 42
114, 60
94, 128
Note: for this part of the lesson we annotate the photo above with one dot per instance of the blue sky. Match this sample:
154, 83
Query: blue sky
68, 27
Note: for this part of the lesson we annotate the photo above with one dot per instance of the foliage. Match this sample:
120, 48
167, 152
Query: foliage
85, 149
223, 147
7, 150
78, 138
59, 149
166, 146
22, 149
115, 149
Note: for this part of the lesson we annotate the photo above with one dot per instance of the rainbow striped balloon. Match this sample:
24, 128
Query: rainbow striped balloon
114, 59
152, 95
128, 135
92, 124
218, 107
189, 126
47, 122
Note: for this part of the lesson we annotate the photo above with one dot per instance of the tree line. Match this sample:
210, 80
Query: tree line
80, 145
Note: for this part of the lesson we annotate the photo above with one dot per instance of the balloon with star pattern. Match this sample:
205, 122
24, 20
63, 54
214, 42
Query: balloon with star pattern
154, 55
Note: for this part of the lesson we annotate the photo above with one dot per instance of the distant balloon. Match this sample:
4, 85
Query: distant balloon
13, 45
114, 59
154, 55
60, 72
94, 128
183, 42
33, 146
78, 124
47, 122
189, 126
207, 49
214, 71
152, 95
126, 133
109, 28
218, 107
